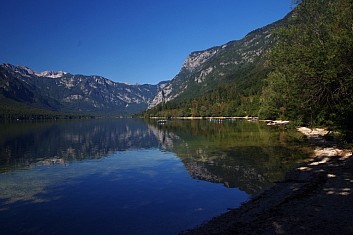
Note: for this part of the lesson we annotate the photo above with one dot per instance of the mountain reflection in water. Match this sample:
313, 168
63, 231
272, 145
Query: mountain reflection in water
248, 156
128, 176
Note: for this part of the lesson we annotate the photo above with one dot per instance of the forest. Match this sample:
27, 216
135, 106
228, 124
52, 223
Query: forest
16, 111
306, 77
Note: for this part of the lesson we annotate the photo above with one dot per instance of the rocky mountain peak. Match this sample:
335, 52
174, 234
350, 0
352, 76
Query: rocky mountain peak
27, 72
196, 59
51, 74
22, 70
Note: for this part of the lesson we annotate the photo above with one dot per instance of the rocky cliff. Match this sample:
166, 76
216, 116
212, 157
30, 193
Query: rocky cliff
202, 71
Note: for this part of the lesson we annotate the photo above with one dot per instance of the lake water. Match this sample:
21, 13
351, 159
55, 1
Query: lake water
127, 176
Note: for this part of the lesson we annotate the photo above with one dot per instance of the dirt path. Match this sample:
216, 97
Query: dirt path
316, 198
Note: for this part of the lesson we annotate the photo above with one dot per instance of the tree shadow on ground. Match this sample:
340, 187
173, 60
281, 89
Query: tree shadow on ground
316, 198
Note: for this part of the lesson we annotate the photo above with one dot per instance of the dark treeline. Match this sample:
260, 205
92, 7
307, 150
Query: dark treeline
22, 112
307, 76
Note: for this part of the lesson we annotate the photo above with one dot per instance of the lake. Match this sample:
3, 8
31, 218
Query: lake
129, 176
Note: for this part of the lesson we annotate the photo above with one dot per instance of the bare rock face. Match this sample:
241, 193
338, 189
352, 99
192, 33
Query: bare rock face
163, 95
203, 70
196, 59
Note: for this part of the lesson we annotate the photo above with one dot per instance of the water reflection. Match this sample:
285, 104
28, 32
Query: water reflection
28, 144
240, 154
245, 155
126, 176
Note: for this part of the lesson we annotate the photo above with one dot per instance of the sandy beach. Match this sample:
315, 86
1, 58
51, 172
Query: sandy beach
315, 198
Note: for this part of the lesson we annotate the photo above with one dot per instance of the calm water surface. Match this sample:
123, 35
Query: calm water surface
127, 176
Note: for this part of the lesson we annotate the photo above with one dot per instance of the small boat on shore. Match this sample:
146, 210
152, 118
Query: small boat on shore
216, 120
162, 121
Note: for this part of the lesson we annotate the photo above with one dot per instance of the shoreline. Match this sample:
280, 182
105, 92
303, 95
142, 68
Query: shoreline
222, 118
316, 197
203, 118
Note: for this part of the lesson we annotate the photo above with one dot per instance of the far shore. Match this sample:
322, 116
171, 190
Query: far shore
205, 118
222, 118
315, 198
252, 118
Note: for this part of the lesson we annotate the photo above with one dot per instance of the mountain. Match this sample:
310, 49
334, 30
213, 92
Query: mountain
222, 80
240, 61
65, 92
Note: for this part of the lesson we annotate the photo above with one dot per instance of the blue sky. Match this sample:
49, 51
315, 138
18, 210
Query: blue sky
133, 41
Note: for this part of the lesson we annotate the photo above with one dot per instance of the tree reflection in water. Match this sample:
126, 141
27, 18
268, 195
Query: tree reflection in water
130, 176
240, 154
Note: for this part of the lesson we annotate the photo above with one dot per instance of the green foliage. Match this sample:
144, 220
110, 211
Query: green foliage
12, 110
237, 95
229, 83
312, 78
309, 73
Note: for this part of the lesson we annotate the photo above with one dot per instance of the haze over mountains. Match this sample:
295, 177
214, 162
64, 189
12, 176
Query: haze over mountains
202, 71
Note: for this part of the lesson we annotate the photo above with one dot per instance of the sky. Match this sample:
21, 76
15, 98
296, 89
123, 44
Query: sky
131, 41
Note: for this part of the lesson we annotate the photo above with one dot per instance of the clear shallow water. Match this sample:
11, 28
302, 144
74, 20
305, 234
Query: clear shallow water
130, 177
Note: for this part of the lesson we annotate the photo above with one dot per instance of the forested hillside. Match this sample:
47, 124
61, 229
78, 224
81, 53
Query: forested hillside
226, 80
222, 80
238, 95
305, 76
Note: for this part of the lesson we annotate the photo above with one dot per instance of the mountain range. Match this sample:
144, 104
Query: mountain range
65, 92
202, 72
